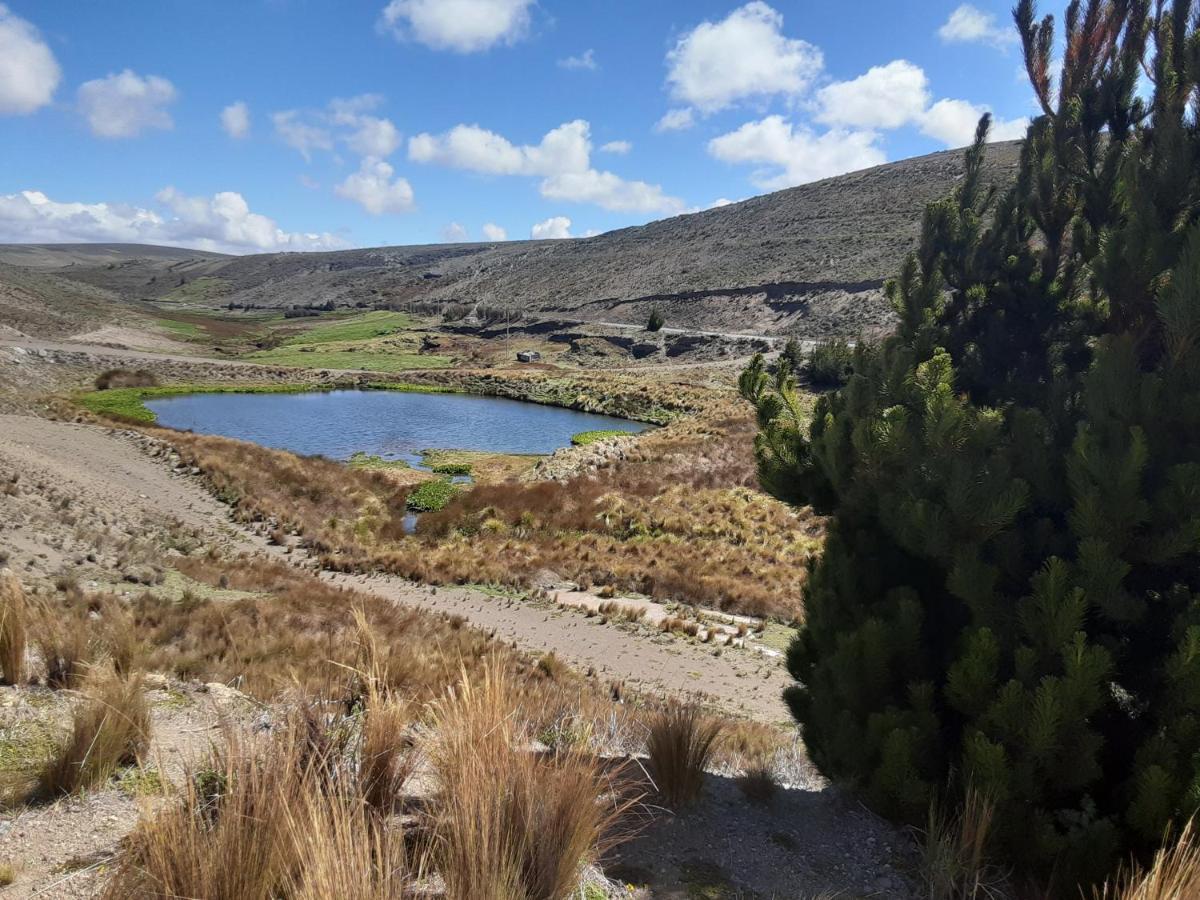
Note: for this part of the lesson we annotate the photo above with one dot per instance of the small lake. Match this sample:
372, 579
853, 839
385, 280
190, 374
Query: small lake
391, 424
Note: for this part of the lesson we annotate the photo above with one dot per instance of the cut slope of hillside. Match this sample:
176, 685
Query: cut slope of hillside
809, 260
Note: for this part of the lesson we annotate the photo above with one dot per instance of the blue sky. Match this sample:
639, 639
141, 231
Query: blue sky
264, 125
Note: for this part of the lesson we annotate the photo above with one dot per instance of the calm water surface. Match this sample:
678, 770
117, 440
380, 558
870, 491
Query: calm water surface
390, 424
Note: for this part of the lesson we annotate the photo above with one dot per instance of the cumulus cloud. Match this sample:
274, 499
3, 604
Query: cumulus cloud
676, 120
494, 232
620, 148
375, 190
374, 137
585, 60
791, 154
126, 104
221, 223
300, 135
953, 122
562, 159
343, 119
454, 233
886, 96
556, 227
464, 26
970, 25
235, 119
744, 55
29, 73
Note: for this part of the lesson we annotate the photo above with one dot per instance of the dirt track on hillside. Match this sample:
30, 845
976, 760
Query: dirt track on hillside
103, 471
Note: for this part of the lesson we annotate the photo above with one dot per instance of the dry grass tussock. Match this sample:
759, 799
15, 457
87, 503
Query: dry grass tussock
955, 864
1173, 874
678, 519
267, 815
14, 614
289, 812
513, 824
110, 728
680, 747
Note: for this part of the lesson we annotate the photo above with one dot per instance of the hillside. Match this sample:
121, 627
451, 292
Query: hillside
809, 260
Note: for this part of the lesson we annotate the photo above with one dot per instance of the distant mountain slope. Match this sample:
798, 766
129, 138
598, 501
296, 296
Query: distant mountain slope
809, 260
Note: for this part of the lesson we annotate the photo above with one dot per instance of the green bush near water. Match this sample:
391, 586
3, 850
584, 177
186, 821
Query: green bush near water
451, 468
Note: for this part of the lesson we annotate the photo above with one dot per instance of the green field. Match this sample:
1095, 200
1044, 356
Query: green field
364, 327
365, 360
583, 438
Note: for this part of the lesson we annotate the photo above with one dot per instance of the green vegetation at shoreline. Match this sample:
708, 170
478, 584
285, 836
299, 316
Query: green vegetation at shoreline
430, 496
583, 438
364, 460
129, 403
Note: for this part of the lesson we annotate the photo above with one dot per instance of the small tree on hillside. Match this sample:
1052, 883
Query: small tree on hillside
656, 321
1009, 595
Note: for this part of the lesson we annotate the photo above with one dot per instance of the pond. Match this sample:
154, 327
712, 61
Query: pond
390, 424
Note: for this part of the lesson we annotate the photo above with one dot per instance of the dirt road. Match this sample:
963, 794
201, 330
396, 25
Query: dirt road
104, 472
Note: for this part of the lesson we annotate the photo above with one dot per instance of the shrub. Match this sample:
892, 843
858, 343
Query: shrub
109, 729
656, 320
680, 746
125, 378
432, 495
1007, 593
14, 612
64, 642
451, 468
830, 363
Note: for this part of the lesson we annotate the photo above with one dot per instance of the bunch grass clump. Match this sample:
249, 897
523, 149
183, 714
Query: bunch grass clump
110, 728
14, 616
680, 746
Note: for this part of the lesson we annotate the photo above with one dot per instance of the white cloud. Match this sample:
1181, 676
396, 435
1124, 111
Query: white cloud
344, 119
620, 148
953, 122
744, 55
585, 60
454, 233
235, 119
374, 188
795, 155
374, 137
126, 104
222, 223
556, 227
300, 135
676, 120
562, 160
885, 97
968, 25
721, 201
464, 26
494, 232
29, 73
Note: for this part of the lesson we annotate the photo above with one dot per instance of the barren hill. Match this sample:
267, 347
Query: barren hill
809, 260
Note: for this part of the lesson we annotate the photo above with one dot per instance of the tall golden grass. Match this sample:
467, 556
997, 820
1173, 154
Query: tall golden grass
1173, 874
513, 824
680, 747
14, 614
955, 863
110, 728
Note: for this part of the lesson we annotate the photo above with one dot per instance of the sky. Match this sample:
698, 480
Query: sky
247, 126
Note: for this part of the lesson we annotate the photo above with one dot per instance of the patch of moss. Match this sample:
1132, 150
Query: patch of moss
134, 781
583, 438
364, 460
430, 496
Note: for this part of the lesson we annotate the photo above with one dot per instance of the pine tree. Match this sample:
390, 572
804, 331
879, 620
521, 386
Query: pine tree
1009, 595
